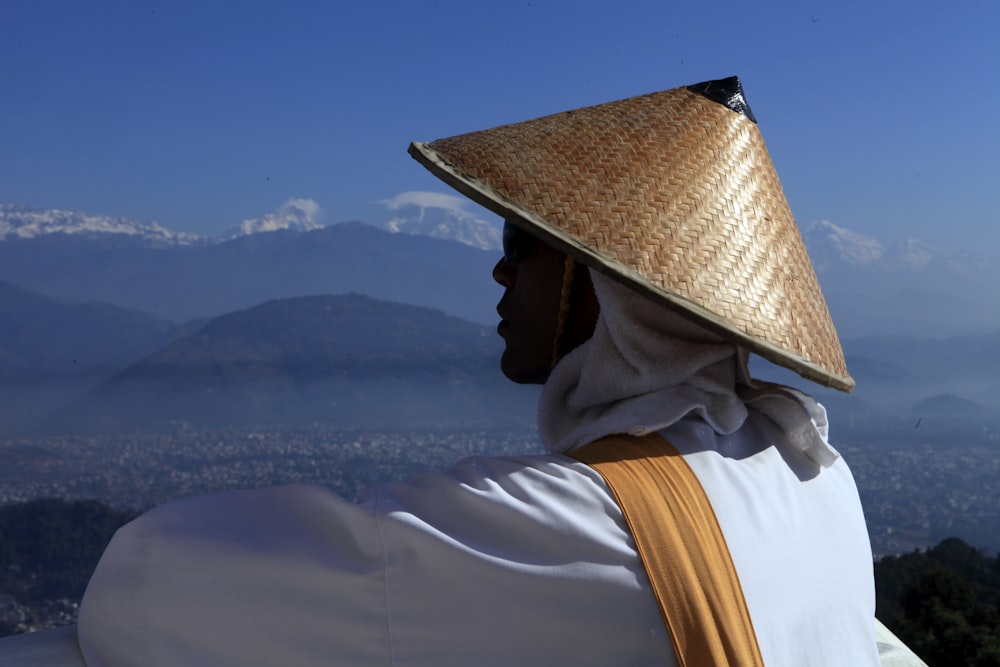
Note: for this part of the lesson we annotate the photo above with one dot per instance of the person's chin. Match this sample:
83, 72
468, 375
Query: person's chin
519, 373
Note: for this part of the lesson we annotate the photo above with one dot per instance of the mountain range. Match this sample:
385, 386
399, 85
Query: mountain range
907, 288
42, 336
430, 214
22, 222
96, 312
348, 360
184, 281
352, 359
430, 252
442, 217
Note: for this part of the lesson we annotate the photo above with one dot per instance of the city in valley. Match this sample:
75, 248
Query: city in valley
918, 484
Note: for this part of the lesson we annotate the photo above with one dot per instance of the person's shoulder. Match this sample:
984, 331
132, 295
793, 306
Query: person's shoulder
56, 647
552, 483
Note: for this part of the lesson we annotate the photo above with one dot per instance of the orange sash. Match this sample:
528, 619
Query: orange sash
681, 546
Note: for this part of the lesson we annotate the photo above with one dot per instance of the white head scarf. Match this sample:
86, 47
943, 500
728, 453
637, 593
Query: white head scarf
646, 367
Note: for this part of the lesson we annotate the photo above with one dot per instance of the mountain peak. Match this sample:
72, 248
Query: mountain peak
296, 214
912, 253
951, 405
440, 216
831, 244
21, 222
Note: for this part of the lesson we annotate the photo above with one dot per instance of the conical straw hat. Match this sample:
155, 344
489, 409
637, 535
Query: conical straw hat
672, 193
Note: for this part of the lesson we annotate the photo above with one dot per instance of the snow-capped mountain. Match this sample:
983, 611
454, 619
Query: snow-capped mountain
830, 244
430, 214
904, 287
912, 253
871, 288
440, 216
20, 222
295, 214
833, 248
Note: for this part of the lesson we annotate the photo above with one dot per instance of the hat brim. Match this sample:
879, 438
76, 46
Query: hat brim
489, 198
672, 193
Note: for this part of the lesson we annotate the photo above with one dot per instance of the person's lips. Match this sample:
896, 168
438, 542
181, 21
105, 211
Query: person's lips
504, 325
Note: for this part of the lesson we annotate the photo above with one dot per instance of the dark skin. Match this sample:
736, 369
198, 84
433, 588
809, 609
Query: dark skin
532, 273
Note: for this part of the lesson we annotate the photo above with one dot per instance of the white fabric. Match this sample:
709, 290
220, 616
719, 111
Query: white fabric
646, 367
797, 537
642, 370
503, 561
497, 562
892, 652
58, 648
46, 648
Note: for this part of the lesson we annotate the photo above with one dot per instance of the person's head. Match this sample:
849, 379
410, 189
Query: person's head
672, 194
548, 307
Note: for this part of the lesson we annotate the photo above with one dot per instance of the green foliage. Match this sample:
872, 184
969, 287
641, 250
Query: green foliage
944, 603
49, 547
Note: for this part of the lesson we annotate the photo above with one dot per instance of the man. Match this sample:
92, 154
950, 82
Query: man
539, 318
647, 248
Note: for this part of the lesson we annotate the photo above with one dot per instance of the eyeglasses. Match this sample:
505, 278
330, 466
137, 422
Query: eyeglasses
516, 242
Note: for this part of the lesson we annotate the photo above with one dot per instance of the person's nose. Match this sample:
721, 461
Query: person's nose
502, 273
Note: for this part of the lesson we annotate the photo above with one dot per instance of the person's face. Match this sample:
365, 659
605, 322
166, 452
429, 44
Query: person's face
532, 272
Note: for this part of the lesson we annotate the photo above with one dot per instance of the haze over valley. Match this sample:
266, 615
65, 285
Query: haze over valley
138, 365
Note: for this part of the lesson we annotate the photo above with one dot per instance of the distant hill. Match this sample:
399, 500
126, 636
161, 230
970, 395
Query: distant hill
900, 288
950, 405
306, 359
897, 307
346, 359
905, 288
896, 373
183, 281
52, 350
912, 369
40, 335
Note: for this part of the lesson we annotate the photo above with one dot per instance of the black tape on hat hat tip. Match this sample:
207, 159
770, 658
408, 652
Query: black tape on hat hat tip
727, 92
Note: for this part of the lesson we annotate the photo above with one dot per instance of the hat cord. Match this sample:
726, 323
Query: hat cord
569, 270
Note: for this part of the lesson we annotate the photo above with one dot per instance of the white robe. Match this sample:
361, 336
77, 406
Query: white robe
503, 561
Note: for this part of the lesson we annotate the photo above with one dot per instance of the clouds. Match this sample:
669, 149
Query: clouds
434, 214
297, 213
424, 199
305, 207
441, 216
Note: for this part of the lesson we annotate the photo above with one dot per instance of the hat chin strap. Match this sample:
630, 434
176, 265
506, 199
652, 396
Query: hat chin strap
565, 297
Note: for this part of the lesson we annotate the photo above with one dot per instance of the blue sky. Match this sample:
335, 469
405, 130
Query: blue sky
880, 115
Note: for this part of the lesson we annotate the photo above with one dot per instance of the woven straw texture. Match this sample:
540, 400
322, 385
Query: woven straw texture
672, 193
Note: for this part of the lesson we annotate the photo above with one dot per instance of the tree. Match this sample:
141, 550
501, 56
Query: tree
943, 603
